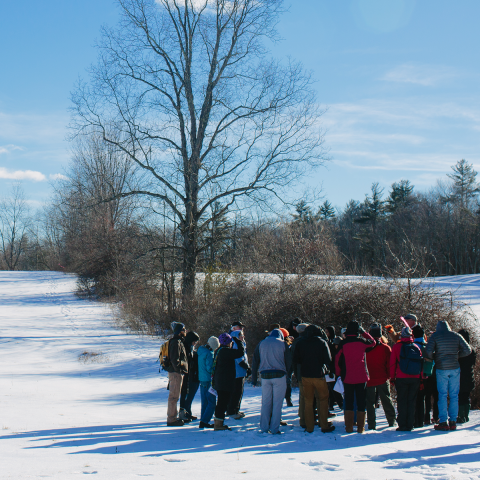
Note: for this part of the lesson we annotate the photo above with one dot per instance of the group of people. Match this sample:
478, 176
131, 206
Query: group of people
354, 370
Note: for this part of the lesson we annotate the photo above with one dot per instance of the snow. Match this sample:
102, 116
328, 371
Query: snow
66, 412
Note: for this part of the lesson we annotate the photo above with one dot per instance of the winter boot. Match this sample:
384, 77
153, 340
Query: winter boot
467, 412
176, 423
452, 425
349, 421
461, 414
442, 427
219, 425
360, 422
205, 425
183, 415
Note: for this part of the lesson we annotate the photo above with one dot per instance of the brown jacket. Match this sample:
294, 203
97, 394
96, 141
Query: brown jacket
177, 355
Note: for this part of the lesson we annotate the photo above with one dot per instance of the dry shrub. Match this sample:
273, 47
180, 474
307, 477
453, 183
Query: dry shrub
318, 300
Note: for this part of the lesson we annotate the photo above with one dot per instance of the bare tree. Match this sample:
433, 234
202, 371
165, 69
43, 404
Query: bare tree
14, 225
194, 100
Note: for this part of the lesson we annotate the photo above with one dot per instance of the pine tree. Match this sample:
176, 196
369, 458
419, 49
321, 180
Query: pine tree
326, 211
465, 186
400, 196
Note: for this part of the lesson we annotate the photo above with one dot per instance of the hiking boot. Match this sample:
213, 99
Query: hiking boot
238, 416
442, 427
183, 415
331, 428
219, 425
452, 425
176, 423
206, 425
191, 417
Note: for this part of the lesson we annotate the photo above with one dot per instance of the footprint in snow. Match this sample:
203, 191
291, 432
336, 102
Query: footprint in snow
174, 460
322, 466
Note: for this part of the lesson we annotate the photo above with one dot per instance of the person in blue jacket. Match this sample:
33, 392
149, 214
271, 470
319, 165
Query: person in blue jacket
205, 365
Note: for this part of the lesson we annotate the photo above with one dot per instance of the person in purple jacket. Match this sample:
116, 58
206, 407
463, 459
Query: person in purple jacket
351, 366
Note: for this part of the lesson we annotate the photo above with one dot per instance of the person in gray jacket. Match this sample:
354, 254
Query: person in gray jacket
269, 360
446, 347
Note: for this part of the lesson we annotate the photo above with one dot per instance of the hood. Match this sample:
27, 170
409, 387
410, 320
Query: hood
191, 337
276, 333
406, 340
313, 331
465, 335
235, 333
443, 326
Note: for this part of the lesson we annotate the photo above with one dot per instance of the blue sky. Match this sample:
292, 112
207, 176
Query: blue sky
399, 79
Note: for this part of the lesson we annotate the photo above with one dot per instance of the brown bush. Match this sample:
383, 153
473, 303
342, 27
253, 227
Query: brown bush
322, 301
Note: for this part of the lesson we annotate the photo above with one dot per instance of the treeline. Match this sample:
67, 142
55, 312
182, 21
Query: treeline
117, 241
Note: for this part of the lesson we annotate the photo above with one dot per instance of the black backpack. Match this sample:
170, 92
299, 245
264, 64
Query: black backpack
411, 361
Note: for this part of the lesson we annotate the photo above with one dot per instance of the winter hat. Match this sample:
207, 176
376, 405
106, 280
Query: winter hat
337, 340
213, 343
352, 328
284, 332
225, 339
376, 330
191, 337
177, 328
301, 327
406, 332
411, 319
418, 331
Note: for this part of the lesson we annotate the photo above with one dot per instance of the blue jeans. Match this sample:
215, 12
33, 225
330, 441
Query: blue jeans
448, 384
208, 404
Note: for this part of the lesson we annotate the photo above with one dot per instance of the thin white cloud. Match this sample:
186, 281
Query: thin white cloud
9, 148
58, 176
22, 175
425, 75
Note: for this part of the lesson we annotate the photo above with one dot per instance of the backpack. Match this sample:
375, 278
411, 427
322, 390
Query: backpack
411, 361
164, 356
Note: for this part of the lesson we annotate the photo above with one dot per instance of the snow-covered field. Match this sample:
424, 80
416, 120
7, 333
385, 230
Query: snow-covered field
79, 397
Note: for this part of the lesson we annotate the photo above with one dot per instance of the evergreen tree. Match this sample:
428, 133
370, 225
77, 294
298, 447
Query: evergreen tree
326, 211
465, 186
304, 214
400, 196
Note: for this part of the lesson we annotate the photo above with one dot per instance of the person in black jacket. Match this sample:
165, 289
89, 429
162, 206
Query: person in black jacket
313, 355
467, 381
190, 380
178, 367
224, 374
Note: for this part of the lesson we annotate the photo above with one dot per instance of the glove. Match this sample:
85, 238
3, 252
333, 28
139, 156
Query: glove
237, 341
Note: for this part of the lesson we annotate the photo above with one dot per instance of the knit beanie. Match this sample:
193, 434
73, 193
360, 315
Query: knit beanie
213, 343
177, 328
406, 332
284, 332
301, 327
418, 331
376, 330
352, 328
225, 339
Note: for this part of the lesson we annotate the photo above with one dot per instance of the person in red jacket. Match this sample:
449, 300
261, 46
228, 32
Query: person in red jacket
406, 385
351, 367
378, 364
